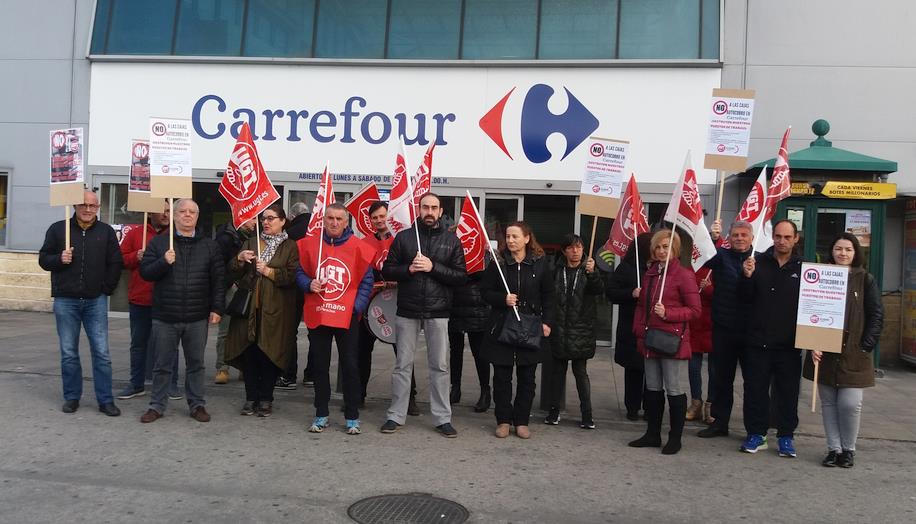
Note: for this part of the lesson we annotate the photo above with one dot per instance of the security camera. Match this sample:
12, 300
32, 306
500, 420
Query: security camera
549, 184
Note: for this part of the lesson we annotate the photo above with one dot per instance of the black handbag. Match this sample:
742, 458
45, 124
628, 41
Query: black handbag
240, 304
523, 334
659, 341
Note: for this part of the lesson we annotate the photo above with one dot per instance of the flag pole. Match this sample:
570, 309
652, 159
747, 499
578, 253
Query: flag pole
817, 368
667, 259
257, 235
721, 192
591, 244
66, 227
636, 252
413, 211
324, 210
486, 238
763, 209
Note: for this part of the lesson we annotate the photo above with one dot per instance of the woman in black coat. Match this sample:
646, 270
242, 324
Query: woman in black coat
622, 290
529, 279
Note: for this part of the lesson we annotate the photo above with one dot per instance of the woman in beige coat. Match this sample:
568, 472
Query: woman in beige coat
258, 343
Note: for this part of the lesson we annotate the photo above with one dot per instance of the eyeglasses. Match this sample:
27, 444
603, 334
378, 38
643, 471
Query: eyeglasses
268, 219
88, 206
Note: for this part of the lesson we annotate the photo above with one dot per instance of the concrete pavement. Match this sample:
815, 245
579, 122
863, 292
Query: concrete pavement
89, 467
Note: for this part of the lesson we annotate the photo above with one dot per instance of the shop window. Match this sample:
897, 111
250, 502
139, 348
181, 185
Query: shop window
709, 29
500, 29
551, 217
351, 29
209, 27
577, 29
279, 28
141, 28
659, 28
423, 29
4, 205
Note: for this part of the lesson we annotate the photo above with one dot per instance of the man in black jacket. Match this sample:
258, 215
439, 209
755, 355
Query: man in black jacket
83, 276
425, 279
189, 289
729, 316
769, 285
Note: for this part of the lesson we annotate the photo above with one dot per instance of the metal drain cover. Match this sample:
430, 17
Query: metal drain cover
409, 508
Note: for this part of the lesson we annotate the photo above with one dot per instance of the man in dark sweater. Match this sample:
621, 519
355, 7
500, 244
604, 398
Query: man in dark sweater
188, 291
769, 284
729, 316
83, 275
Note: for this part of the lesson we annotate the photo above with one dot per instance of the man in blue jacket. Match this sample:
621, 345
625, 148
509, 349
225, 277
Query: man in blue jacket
83, 276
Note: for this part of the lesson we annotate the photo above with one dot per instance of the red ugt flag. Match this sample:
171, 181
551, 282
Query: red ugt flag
245, 185
631, 220
685, 211
423, 180
780, 183
358, 206
472, 236
325, 196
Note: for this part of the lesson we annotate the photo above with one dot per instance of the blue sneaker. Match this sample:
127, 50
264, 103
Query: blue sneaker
318, 425
787, 447
754, 443
353, 427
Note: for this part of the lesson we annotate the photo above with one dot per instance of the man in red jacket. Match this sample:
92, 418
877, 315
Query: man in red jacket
140, 298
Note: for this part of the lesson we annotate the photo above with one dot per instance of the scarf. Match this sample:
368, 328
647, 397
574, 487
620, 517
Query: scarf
273, 242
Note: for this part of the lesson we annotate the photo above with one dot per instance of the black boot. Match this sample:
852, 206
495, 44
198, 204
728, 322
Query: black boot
654, 402
677, 411
454, 396
483, 403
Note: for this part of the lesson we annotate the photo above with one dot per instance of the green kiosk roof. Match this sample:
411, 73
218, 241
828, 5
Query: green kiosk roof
823, 156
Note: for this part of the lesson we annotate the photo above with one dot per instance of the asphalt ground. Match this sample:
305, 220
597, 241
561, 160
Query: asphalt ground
87, 467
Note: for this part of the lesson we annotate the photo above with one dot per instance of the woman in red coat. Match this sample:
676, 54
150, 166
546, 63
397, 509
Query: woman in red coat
701, 343
669, 309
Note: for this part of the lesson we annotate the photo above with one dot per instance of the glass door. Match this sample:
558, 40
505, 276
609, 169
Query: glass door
498, 212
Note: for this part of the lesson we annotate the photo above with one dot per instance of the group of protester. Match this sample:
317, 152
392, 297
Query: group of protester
521, 311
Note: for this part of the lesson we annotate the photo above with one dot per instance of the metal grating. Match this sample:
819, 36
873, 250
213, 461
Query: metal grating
409, 508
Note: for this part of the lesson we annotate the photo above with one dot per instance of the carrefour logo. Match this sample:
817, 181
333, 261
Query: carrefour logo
537, 123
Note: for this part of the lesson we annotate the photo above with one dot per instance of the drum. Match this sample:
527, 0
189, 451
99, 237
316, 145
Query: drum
380, 315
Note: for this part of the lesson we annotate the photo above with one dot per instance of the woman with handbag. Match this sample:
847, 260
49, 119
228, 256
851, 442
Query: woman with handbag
844, 376
667, 302
623, 289
261, 328
520, 323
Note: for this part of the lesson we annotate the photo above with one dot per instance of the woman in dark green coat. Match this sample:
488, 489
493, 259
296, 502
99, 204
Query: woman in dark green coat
577, 286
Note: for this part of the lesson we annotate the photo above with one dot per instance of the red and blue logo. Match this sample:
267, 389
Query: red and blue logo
538, 123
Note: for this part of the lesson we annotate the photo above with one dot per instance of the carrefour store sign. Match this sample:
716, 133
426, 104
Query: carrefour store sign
487, 122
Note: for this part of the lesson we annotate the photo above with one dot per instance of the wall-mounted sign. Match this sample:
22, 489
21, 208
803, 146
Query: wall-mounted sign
860, 190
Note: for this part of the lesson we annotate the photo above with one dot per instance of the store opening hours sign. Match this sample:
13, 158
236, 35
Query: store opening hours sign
821, 307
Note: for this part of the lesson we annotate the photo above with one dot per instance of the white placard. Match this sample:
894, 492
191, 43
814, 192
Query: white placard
730, 114
605, 167
822, 296
170, 147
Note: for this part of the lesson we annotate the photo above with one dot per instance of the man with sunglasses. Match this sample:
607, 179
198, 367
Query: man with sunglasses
83, 275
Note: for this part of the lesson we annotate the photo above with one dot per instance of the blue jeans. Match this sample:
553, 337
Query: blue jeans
695, 374
193, 339
92, 314
141, 360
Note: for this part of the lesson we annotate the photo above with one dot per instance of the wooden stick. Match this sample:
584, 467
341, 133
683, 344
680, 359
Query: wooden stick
636, 252
486, 238
817, 369
145, 219
257, 235
721, 192
66, 227
172, 224
591, 244
667, 259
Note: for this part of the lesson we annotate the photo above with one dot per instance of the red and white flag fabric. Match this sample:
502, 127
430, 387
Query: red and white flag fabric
781, 182
631, 220
753, 211
401, 210
685, 211
472, 236
245, 185
423, 180
324, 197
359, 205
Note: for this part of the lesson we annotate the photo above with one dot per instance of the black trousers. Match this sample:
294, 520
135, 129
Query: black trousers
583, 385
519, 412
633, 388
727, 354
782, 368
260, 375
292, 366
320, 360
456, 356
365, 346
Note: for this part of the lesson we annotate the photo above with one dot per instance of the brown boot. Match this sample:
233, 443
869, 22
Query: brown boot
707, 413
695, 410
